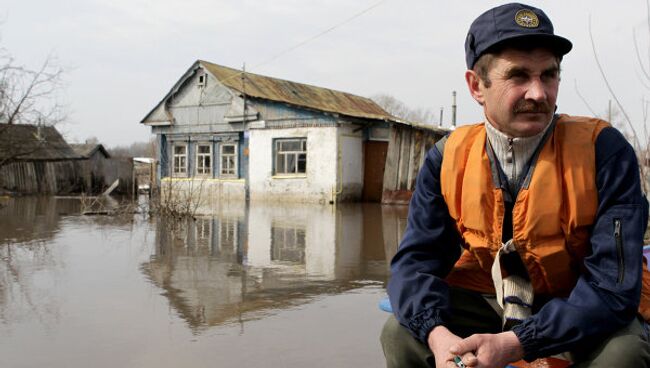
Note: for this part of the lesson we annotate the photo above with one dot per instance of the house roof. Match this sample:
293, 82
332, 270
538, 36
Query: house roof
88, 149
299, 94
31, 142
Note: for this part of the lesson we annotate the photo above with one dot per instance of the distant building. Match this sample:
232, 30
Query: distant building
101, 170
231, 134
91, 151
37, 160
94, 157
144, 172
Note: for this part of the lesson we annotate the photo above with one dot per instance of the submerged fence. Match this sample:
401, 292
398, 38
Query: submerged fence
66, 177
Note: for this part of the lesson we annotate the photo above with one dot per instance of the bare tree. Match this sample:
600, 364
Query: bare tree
399, 109
27, 96
136, 149
640, 139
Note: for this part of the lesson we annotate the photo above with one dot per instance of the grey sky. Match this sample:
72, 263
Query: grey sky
123, 56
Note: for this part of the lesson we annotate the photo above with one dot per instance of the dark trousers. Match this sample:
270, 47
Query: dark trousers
471, 314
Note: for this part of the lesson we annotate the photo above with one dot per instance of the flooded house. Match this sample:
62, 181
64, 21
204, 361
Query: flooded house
224, 133
229, 134
37, 160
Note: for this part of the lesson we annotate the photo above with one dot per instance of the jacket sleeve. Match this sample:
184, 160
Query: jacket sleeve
429, 248
606, 296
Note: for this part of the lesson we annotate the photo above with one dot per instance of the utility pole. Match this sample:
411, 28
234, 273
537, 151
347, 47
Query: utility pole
243, 87
609, 111
453, 110
442, 109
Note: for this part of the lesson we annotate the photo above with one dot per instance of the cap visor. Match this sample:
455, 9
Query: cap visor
559, 45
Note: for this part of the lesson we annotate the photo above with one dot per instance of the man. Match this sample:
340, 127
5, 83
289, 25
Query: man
525, 233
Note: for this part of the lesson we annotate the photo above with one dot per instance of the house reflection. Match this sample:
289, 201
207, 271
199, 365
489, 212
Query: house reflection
246, 262
33, 219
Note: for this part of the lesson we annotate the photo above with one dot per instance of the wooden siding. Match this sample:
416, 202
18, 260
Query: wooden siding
66, 177
42, 177
406, 150
99, 173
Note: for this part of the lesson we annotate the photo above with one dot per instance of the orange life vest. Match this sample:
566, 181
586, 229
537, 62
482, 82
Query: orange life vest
552, 216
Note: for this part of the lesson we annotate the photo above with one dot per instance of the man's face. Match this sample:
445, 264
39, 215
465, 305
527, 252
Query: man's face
520, 101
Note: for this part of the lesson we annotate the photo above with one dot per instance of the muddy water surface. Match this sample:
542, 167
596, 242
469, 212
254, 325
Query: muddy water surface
249, 286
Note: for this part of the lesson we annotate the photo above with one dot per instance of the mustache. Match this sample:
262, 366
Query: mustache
529, 106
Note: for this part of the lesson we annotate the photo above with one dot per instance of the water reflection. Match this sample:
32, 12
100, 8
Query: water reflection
30, 266
246, 262
33, 219
134, 291
25, 227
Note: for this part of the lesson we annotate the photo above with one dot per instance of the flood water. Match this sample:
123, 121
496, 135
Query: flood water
249, 286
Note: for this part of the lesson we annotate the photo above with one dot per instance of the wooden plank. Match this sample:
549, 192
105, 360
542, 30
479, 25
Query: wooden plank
111, 188
416, 158
404, 160
392, 160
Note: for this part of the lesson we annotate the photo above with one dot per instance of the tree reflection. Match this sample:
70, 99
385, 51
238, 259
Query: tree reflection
27, 226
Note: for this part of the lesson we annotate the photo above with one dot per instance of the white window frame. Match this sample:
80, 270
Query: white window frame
201, 168
228, 232
177, 169
288, 238
202, 80
281, 157
203, 232
228, 172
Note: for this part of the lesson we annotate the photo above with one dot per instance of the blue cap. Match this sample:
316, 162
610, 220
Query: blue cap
510, 22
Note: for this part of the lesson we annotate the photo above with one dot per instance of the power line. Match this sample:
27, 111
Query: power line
286, 51
320, 34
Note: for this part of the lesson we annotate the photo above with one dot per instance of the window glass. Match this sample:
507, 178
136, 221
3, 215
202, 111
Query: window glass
287, 244
204, 159
228, 160
228, 149
291, 156
179, 160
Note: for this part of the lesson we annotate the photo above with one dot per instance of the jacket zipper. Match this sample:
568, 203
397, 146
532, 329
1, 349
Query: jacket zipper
619, 249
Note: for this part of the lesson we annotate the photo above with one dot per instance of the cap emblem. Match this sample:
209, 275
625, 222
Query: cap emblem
526, 18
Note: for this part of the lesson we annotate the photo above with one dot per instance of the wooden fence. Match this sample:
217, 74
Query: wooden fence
66, 177
406, 150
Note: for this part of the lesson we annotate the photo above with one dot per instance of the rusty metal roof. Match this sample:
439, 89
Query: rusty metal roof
312, 97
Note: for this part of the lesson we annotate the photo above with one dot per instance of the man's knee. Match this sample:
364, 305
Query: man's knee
628, 347
392, 338
401, 349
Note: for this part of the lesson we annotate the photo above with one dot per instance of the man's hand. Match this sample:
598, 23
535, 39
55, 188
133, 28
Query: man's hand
491, 350
440, 341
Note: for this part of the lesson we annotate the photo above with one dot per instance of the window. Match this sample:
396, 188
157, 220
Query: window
204, 159
203, 234
203, 80
291, 156
228, 159
203, 228
180, 160
227, 233
287, 244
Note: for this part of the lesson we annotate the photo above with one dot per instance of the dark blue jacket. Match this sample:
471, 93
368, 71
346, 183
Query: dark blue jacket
599, 303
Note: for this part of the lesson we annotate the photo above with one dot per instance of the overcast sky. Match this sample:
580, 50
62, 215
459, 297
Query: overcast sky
123, 56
